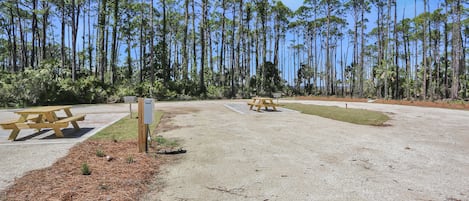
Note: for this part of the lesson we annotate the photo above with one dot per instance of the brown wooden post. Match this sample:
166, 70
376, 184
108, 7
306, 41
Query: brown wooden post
142, 129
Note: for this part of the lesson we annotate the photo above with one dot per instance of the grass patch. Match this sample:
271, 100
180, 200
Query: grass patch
130, 159
166, 142
125, 129
356, 116
100, 153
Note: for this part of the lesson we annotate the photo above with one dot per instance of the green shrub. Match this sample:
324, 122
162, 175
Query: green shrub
85, 170
100, 153
165, 142
130, 159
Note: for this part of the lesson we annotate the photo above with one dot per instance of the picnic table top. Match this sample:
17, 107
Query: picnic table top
43, 109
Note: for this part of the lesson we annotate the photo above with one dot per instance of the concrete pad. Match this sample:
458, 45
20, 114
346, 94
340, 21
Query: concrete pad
34, 150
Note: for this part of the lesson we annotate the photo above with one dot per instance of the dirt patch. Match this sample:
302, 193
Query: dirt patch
166, 124
436, 104
125, 177
331, 98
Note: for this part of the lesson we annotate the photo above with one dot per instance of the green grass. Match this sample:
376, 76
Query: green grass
125, 129
100, 153
166, 142
356, 116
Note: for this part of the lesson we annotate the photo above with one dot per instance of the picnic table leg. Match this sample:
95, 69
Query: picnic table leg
253, 102
39, 120
14, 133
58, 132
51, 117
273, 105
69, 114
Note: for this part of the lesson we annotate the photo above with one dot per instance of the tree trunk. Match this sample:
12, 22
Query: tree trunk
62, 35
194, 42
12, 37
362, 50
248, 48
264, 44
258, 69
277, 38
446, 38
152, 36
185, 56
239, 64
233, 59
45, 19
355, 46
210, 53
396, 58
456, 53
90, 49
328, 59
106, 45
203, 26
33, 34
407, 65
102, 52
114, 42
24, 61
424, 52
165, 60
430, 58
222, 45
75, 20
142, 49
436, 51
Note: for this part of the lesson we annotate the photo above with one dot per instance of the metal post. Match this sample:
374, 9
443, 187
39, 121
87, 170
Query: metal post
142, 128
130, 110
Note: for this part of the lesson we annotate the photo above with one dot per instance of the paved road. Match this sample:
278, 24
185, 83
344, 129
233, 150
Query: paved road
34, 150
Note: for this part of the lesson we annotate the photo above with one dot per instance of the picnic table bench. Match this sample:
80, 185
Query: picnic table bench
260, 102
42, 117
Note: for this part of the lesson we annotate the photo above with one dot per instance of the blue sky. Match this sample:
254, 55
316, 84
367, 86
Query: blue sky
405, 8
408, 5
292, 4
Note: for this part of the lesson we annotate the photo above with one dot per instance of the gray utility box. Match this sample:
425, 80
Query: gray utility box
148, 107
277, 94
130, 99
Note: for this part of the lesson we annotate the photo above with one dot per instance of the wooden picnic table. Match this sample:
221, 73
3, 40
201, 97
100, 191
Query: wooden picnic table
261, 102
42, 117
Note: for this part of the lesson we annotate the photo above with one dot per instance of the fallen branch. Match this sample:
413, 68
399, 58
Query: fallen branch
171, 151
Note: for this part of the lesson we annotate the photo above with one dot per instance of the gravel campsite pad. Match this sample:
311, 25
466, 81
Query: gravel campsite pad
422, 154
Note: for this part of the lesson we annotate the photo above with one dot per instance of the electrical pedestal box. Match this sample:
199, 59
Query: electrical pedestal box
148, 107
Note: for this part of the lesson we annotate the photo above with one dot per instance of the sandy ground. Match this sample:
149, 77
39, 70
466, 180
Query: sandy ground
237, 154
34, 150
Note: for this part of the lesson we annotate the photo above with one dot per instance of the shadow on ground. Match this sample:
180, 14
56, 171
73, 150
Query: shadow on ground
69, 133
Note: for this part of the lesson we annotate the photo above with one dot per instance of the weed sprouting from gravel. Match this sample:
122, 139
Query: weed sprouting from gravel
130, 160
85, 169
100, 153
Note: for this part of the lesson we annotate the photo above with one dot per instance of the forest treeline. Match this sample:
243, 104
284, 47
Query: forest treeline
88, 51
